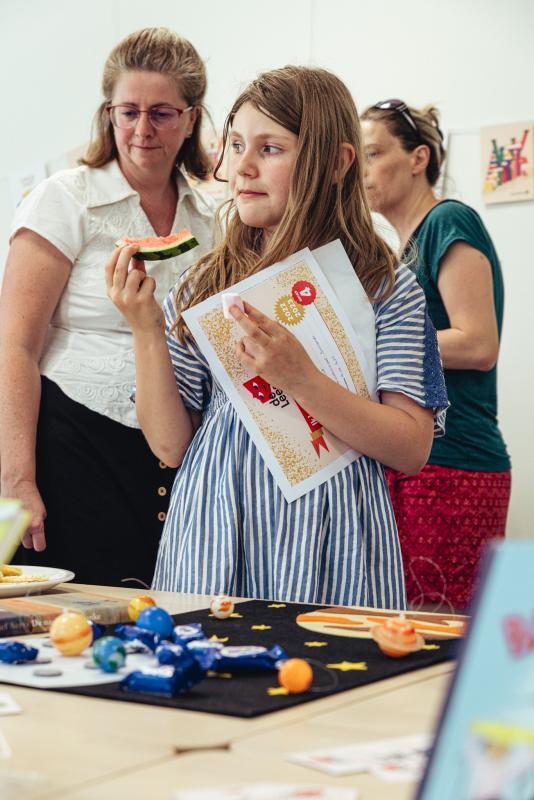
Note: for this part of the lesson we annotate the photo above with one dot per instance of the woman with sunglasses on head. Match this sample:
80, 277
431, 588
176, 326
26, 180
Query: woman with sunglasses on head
70, 444
449, 511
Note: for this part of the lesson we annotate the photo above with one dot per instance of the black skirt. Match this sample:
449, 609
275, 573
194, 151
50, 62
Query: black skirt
105, 493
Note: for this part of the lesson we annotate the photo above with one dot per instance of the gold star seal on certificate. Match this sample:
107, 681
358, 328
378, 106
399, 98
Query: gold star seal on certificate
287, 311
347, 666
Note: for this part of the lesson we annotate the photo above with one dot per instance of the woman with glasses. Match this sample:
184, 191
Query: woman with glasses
71, 447
449, 511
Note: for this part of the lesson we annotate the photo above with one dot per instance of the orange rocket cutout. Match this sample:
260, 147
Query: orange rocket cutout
397, 637
316, 431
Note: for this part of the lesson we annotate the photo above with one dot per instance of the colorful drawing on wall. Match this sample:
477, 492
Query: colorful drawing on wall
507, 162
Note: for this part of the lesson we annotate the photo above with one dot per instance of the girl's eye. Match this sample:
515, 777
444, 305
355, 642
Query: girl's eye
237, 147
270, 149
370, 154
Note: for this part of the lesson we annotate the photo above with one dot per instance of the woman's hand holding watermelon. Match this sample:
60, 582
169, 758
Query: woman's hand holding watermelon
133, 292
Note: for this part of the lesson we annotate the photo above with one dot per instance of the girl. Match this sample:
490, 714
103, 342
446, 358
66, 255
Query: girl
447, 514
296, 180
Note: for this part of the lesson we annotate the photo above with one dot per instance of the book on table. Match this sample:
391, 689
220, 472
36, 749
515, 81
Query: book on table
34, 614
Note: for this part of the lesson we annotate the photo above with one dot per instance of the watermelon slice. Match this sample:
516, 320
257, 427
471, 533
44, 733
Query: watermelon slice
157, 248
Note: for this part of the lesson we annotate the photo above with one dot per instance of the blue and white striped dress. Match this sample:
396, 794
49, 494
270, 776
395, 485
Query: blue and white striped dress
229, 528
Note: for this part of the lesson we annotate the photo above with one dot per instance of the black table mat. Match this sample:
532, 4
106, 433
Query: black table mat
245, 694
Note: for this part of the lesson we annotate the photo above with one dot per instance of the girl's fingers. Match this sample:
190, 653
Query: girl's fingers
248, 325
264, 322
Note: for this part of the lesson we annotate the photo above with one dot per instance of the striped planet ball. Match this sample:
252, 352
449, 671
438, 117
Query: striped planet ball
71, 633
397, 637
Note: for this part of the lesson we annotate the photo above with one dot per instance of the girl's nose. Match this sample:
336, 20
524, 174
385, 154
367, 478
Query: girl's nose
247, 164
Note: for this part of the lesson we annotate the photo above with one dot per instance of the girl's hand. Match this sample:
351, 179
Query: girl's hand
133, 292
270, 350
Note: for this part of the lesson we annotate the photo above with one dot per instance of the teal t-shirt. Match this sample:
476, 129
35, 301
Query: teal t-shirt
472, 438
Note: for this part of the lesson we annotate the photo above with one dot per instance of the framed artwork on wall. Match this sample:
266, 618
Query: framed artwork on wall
507, 153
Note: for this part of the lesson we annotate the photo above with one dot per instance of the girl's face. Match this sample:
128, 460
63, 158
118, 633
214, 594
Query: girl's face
388, 173
145, 147
261, 163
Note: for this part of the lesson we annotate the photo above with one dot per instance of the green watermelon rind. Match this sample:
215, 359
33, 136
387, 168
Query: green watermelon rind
164, 251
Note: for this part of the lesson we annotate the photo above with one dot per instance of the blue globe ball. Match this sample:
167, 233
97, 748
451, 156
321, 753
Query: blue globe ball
109, 653
157, 620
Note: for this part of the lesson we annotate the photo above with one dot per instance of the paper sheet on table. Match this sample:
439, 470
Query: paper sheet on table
394, 760
269, 791
334, 321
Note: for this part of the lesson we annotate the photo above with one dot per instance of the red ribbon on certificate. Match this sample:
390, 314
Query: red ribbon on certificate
317, 432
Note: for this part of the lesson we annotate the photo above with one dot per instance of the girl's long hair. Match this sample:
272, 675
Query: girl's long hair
153, 50
323, 204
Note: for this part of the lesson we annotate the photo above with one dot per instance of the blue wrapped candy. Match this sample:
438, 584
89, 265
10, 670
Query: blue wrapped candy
131, 633
166, 680
168, 653
17, 652
190, 668
250, 657
98, 631
206, 652
183, 634
109, 653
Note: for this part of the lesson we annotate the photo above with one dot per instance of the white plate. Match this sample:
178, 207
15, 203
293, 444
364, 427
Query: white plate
53, 575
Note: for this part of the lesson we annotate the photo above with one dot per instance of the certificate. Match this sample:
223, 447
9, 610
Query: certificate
339, 337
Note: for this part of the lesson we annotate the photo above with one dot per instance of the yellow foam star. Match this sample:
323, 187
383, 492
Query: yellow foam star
260, 627
235, 615
430, 647
316, 644
277, 690
277, 605
347, 666
211, 674
216, 638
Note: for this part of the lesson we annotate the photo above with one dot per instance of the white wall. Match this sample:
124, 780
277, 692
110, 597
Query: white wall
473, 58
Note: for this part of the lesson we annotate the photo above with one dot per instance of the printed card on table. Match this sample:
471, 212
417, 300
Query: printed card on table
269, 791
393, 760
300, 453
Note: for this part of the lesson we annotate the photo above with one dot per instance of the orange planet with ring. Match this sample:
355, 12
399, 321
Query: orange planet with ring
295, 675
397, 637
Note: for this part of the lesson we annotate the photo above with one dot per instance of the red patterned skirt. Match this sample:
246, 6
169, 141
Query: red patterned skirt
445, 519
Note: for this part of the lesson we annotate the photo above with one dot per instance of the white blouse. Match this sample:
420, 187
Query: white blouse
83, 212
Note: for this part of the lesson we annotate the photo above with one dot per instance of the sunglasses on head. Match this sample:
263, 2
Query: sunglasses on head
401, 108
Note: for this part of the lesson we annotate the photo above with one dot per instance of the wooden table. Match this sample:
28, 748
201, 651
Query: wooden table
84, 748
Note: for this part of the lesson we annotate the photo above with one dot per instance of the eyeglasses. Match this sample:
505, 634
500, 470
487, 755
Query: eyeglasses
161, 117
401, 108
